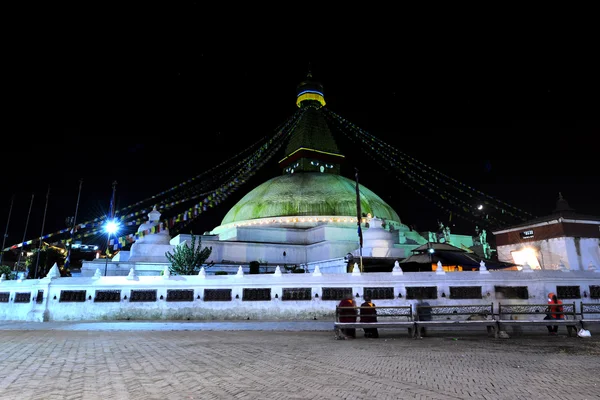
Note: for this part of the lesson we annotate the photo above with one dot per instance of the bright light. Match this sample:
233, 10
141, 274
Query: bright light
526, 256
431, 251
111, 227
480, 207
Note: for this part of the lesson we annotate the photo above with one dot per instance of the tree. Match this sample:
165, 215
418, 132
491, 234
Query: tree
189, 259
7, 271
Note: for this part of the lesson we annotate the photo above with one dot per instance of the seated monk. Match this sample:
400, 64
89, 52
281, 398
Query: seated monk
348, 315
368, 313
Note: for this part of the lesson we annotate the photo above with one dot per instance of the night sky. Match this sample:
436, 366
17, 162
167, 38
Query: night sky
151, 112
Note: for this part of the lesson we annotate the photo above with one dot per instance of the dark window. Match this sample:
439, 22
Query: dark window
24, 297
465, 292
296, 294
511, 292
568, 292
4, 296
143, 295
594, 291
256, 294
379, 292
217, 294
421, 292
107, 296
70, 296
180, 294
336, 293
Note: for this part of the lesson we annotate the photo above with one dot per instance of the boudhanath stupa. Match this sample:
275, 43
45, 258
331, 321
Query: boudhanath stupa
305, 217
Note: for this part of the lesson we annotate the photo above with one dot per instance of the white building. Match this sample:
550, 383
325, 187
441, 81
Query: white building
562, 240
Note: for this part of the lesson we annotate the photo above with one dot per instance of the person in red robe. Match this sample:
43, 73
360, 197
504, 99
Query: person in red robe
554, 311
368, 313
348, 315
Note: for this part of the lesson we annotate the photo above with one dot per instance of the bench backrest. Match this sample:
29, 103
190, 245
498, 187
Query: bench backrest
569, 310
460, 311
589, 308
383, 313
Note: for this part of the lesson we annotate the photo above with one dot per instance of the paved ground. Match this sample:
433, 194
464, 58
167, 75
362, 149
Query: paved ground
286, 360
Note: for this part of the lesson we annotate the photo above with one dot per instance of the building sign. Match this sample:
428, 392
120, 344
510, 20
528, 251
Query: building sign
527, 234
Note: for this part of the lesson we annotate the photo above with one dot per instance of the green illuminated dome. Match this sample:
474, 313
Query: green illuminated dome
308, 194
310, 191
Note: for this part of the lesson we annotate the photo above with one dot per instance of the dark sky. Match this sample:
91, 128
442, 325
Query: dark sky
150, 111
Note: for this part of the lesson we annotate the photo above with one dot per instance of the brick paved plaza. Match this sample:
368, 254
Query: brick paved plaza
179, 361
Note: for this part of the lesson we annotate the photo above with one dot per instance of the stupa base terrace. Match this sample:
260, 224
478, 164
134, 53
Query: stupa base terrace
276, 296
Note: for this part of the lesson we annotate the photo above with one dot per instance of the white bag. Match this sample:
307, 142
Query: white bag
584, 333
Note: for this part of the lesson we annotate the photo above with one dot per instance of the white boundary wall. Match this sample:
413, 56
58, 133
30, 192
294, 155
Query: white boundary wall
50, 308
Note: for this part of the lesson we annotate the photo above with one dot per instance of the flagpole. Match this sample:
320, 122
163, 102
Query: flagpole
359, 219
73, 227
24, 234
37, 261
6, 231
111, 215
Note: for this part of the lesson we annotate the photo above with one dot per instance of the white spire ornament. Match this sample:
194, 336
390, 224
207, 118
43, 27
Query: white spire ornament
397, 270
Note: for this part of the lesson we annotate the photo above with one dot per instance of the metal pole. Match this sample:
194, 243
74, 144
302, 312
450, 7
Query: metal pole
111, 213
37, 260
24, 233
6, 231
359, 217
74, 225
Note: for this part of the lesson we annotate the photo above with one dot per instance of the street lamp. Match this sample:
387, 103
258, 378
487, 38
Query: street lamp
111, 227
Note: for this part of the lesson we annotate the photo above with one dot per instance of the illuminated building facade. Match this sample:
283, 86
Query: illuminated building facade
563, 240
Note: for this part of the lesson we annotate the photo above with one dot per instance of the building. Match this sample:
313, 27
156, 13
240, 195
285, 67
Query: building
316, 219
306, 216
562, 240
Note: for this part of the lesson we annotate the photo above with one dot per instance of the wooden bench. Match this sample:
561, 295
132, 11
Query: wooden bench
589, 314
388, 317
534, 314
460, 315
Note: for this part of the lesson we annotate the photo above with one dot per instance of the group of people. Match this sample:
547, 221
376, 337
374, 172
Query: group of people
368, 313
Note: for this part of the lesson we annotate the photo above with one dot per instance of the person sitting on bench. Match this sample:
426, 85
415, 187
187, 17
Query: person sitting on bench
348, 315
554, 311
368, 313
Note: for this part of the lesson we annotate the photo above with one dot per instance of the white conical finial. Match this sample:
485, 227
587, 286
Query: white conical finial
97, 274
526, 267
166, 273
397, 270
317, 271
482, 268
277, 271
54, 272
132, 276
355, 270
240, 271
154, 215
440, 268
2, 277
202, 273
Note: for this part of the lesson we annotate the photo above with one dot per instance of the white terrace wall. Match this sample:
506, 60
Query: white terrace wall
55, 301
